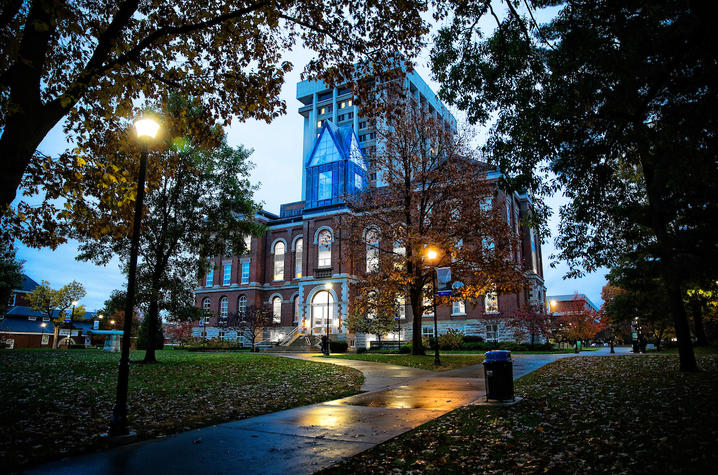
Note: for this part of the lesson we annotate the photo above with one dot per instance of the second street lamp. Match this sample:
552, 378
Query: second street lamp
146, 131
432, 255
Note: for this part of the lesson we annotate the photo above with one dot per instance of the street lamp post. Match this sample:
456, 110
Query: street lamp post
146, 131
42, 335
432, 254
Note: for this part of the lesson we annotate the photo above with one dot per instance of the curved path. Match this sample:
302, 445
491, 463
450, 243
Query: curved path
305, 439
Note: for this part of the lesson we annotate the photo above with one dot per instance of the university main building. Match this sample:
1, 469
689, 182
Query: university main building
296, 267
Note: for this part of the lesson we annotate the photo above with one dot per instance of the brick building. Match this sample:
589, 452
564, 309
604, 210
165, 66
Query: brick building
296, 267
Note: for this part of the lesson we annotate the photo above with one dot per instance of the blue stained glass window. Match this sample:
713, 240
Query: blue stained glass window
325, 185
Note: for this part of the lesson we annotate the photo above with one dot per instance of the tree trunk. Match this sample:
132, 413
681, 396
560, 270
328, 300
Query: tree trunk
417, 346
55, 335
680, 322
152, 327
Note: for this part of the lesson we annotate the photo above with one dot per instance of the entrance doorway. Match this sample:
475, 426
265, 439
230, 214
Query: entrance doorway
323, 313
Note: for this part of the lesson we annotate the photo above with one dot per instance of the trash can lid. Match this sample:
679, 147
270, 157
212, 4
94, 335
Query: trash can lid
498, 355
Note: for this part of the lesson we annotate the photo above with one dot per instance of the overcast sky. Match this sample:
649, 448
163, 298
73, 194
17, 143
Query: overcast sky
277, 155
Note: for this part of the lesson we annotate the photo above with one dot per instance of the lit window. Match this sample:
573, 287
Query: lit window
242, 305
357, 181
227, 277
325, 185
491, 303
247, 244
372, 251
458, 308
279, 261
324, 258
245, 272
401, 308
223, 307
319, 124
210, 278
276, 310
298, 254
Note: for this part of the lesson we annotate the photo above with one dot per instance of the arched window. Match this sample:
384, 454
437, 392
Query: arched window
206, 305
325, 249
277, 310
491, 302
322, 312
372, 250
223, 307
298, 253
279, 261
296, 309
242, 304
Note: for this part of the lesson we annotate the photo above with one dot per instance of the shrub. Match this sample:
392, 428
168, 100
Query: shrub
361, 351
451, 340
405, 349
338, 346
473, 339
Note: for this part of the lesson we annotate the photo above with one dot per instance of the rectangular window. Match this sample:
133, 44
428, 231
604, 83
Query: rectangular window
458, 308
210, 278
491, 303
319, 124
245, 272
427, 331
325, 186
357, 181
492, 332
227, 274
247, 244
298, 257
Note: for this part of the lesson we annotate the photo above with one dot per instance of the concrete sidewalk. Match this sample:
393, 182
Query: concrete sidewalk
304, 439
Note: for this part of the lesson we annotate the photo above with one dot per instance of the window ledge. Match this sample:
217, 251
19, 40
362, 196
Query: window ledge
461, 314
492, 313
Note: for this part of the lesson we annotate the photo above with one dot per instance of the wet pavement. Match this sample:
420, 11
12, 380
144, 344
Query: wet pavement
305, 439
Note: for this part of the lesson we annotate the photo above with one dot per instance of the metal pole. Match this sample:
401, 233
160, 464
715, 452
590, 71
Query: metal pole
119, 425
437, 361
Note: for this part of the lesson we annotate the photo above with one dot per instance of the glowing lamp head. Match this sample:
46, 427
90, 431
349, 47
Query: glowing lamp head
43, 324
553, 303
74, 303
431, 254
146, 128
99, 316
328, 285
112, 322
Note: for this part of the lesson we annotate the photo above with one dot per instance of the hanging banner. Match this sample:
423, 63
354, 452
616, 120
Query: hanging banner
443, 280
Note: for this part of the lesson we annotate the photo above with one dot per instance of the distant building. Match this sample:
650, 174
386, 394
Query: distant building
562, 304
296, 267
23, 327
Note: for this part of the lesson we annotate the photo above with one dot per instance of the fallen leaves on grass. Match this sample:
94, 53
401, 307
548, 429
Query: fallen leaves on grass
59, 402
621, 414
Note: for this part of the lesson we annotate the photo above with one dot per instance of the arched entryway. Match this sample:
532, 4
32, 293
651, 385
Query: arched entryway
323, 310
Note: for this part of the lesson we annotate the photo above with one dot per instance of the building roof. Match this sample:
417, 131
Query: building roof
28, 285
22, 324
23, 311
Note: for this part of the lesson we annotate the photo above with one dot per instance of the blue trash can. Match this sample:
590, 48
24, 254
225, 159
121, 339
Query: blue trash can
499, 375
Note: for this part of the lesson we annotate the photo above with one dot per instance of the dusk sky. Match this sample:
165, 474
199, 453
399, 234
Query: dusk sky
277, 155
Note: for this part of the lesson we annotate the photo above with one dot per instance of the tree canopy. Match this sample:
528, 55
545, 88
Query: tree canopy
56, 303
613, 103
434, 192
86, 64
198, 204
10, 273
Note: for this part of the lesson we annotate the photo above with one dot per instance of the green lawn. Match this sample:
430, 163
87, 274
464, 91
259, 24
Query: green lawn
620, 414
422, 362
56, 402
699, 350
